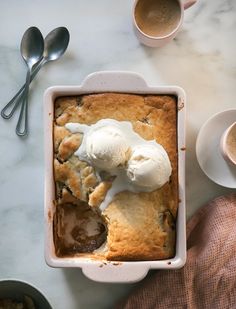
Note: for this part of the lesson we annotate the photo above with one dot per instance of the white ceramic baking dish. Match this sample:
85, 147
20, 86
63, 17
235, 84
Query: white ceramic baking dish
104, 271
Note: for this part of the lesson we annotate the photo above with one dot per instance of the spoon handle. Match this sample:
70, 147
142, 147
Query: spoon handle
19, 95
16, 99
22, 124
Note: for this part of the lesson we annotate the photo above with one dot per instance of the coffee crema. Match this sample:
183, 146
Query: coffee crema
157, 18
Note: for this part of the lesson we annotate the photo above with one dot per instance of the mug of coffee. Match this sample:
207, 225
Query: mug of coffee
156, 22
228, 144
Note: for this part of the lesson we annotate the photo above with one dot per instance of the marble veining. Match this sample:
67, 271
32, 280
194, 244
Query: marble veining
201, 60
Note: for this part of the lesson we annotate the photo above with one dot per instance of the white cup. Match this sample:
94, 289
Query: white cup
158, 41
225, 147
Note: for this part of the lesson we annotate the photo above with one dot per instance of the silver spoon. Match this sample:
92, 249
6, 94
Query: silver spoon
32, 46
55, 45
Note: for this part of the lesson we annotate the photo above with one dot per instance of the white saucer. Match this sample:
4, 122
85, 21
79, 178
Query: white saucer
208, 150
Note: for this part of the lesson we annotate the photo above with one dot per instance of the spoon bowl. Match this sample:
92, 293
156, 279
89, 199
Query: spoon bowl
32, 46
56, 43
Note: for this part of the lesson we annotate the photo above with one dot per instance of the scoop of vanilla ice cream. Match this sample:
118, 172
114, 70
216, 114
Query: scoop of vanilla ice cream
149, 167
107, 147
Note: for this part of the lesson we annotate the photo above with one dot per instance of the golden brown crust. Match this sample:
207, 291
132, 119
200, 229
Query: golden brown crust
140, 226
137, 228
99, 193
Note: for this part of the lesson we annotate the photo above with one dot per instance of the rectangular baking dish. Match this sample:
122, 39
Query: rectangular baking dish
102, 270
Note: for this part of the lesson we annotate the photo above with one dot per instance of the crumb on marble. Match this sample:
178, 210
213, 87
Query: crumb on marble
180, 106
117, 263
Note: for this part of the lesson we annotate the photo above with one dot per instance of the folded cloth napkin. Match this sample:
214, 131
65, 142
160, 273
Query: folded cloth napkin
208, 280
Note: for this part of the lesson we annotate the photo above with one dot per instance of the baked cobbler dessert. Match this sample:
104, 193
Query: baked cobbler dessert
116, 176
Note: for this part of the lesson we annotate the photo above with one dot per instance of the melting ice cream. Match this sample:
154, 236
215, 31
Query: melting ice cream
113, 146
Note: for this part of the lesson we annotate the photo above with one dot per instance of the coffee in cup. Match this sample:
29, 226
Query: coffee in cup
157, 18
156, 22
228, 144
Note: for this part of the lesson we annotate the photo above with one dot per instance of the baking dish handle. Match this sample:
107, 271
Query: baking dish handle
105, 80
115, 272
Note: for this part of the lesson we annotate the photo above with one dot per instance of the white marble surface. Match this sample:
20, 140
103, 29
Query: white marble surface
201, 60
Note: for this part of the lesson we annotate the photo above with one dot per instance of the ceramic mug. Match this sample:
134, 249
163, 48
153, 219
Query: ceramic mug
158, 41
226, 149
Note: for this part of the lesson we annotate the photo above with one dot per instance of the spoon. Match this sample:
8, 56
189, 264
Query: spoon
32, 46
55, 45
